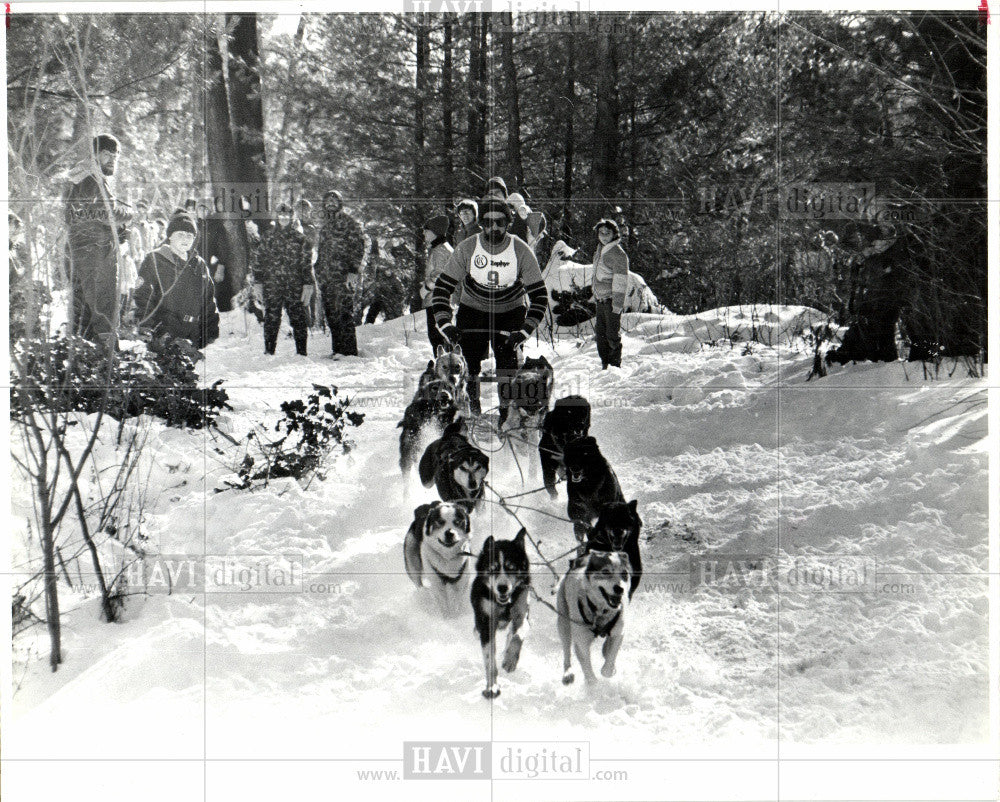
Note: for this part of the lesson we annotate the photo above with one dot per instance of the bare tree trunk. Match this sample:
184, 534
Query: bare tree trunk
475, 155
49, 566
419, 157
224, 172
447, 111
246, 102
604, 160
514, 163
570, 112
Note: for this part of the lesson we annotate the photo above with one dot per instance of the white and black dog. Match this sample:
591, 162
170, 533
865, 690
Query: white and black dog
437, 555
591, 603
499, 599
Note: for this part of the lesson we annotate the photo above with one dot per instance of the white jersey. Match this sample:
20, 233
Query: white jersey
494, 271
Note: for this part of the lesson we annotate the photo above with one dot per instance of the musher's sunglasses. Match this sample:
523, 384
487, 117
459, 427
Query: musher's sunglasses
495, 222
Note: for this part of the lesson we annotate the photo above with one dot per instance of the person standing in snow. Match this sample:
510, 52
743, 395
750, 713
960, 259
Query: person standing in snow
97, 223
282, 280
438, 254
339, 251
495, 273
175, 294
610, 286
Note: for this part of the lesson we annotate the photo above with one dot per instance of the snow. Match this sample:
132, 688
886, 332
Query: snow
728, 449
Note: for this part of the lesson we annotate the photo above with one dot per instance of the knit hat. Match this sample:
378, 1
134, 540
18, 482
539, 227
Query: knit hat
438, 224
181, 221
605, 222
468, 203
497, 183
332, 193
491, 204
106, 142
515, 199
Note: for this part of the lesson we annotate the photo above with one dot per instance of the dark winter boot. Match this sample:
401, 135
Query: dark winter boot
300, 343
472, 386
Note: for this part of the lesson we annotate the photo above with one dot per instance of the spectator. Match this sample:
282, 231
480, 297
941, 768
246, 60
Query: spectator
496, 187
282, 280
340, 249
610, 286
438, 254
176, 295
468, 216
96, 223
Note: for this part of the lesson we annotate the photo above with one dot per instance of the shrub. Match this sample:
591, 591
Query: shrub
312, 430
70, 373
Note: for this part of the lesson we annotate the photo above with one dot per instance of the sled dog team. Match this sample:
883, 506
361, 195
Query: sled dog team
593, 596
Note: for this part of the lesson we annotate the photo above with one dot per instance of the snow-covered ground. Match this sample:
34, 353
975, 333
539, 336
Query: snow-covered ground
862, 496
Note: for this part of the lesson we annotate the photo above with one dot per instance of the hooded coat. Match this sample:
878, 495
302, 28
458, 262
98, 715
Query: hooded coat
177, 296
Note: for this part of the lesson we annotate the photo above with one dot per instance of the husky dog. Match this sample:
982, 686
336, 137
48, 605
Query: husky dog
441, 395
617, 529
436, 553
568, 420
455, 466
590, 484
527, 394
451, 370
499, 599
591, 604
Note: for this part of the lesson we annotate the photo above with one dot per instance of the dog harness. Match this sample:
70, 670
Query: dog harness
450, 580
600, 631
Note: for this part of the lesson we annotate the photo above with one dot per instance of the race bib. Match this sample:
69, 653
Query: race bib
494, 271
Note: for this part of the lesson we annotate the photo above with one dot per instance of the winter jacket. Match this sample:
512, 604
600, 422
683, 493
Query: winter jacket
437, 260
339, 251
177, 296
611, 274
282, 261
87, 216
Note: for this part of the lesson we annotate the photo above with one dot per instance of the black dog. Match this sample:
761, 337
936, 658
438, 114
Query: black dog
455, 466
590, 484
499, 599
433, 403
566, 421
617, 529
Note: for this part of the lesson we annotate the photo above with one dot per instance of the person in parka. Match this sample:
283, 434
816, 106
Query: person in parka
176, 294
282, 279
96, 223
610, 285
339, 250
468, 216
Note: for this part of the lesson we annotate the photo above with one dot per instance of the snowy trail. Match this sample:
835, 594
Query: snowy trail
728, 450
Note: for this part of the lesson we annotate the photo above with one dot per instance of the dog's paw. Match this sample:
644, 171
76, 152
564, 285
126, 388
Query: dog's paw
491, 692
568, 678
511, 655
608, 670
553, 493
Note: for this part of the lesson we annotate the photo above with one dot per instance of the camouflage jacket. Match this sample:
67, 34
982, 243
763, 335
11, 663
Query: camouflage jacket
340, 249
281, 259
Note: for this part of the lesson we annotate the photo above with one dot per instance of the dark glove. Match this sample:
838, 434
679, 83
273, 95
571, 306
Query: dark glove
514, 339
452, 334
